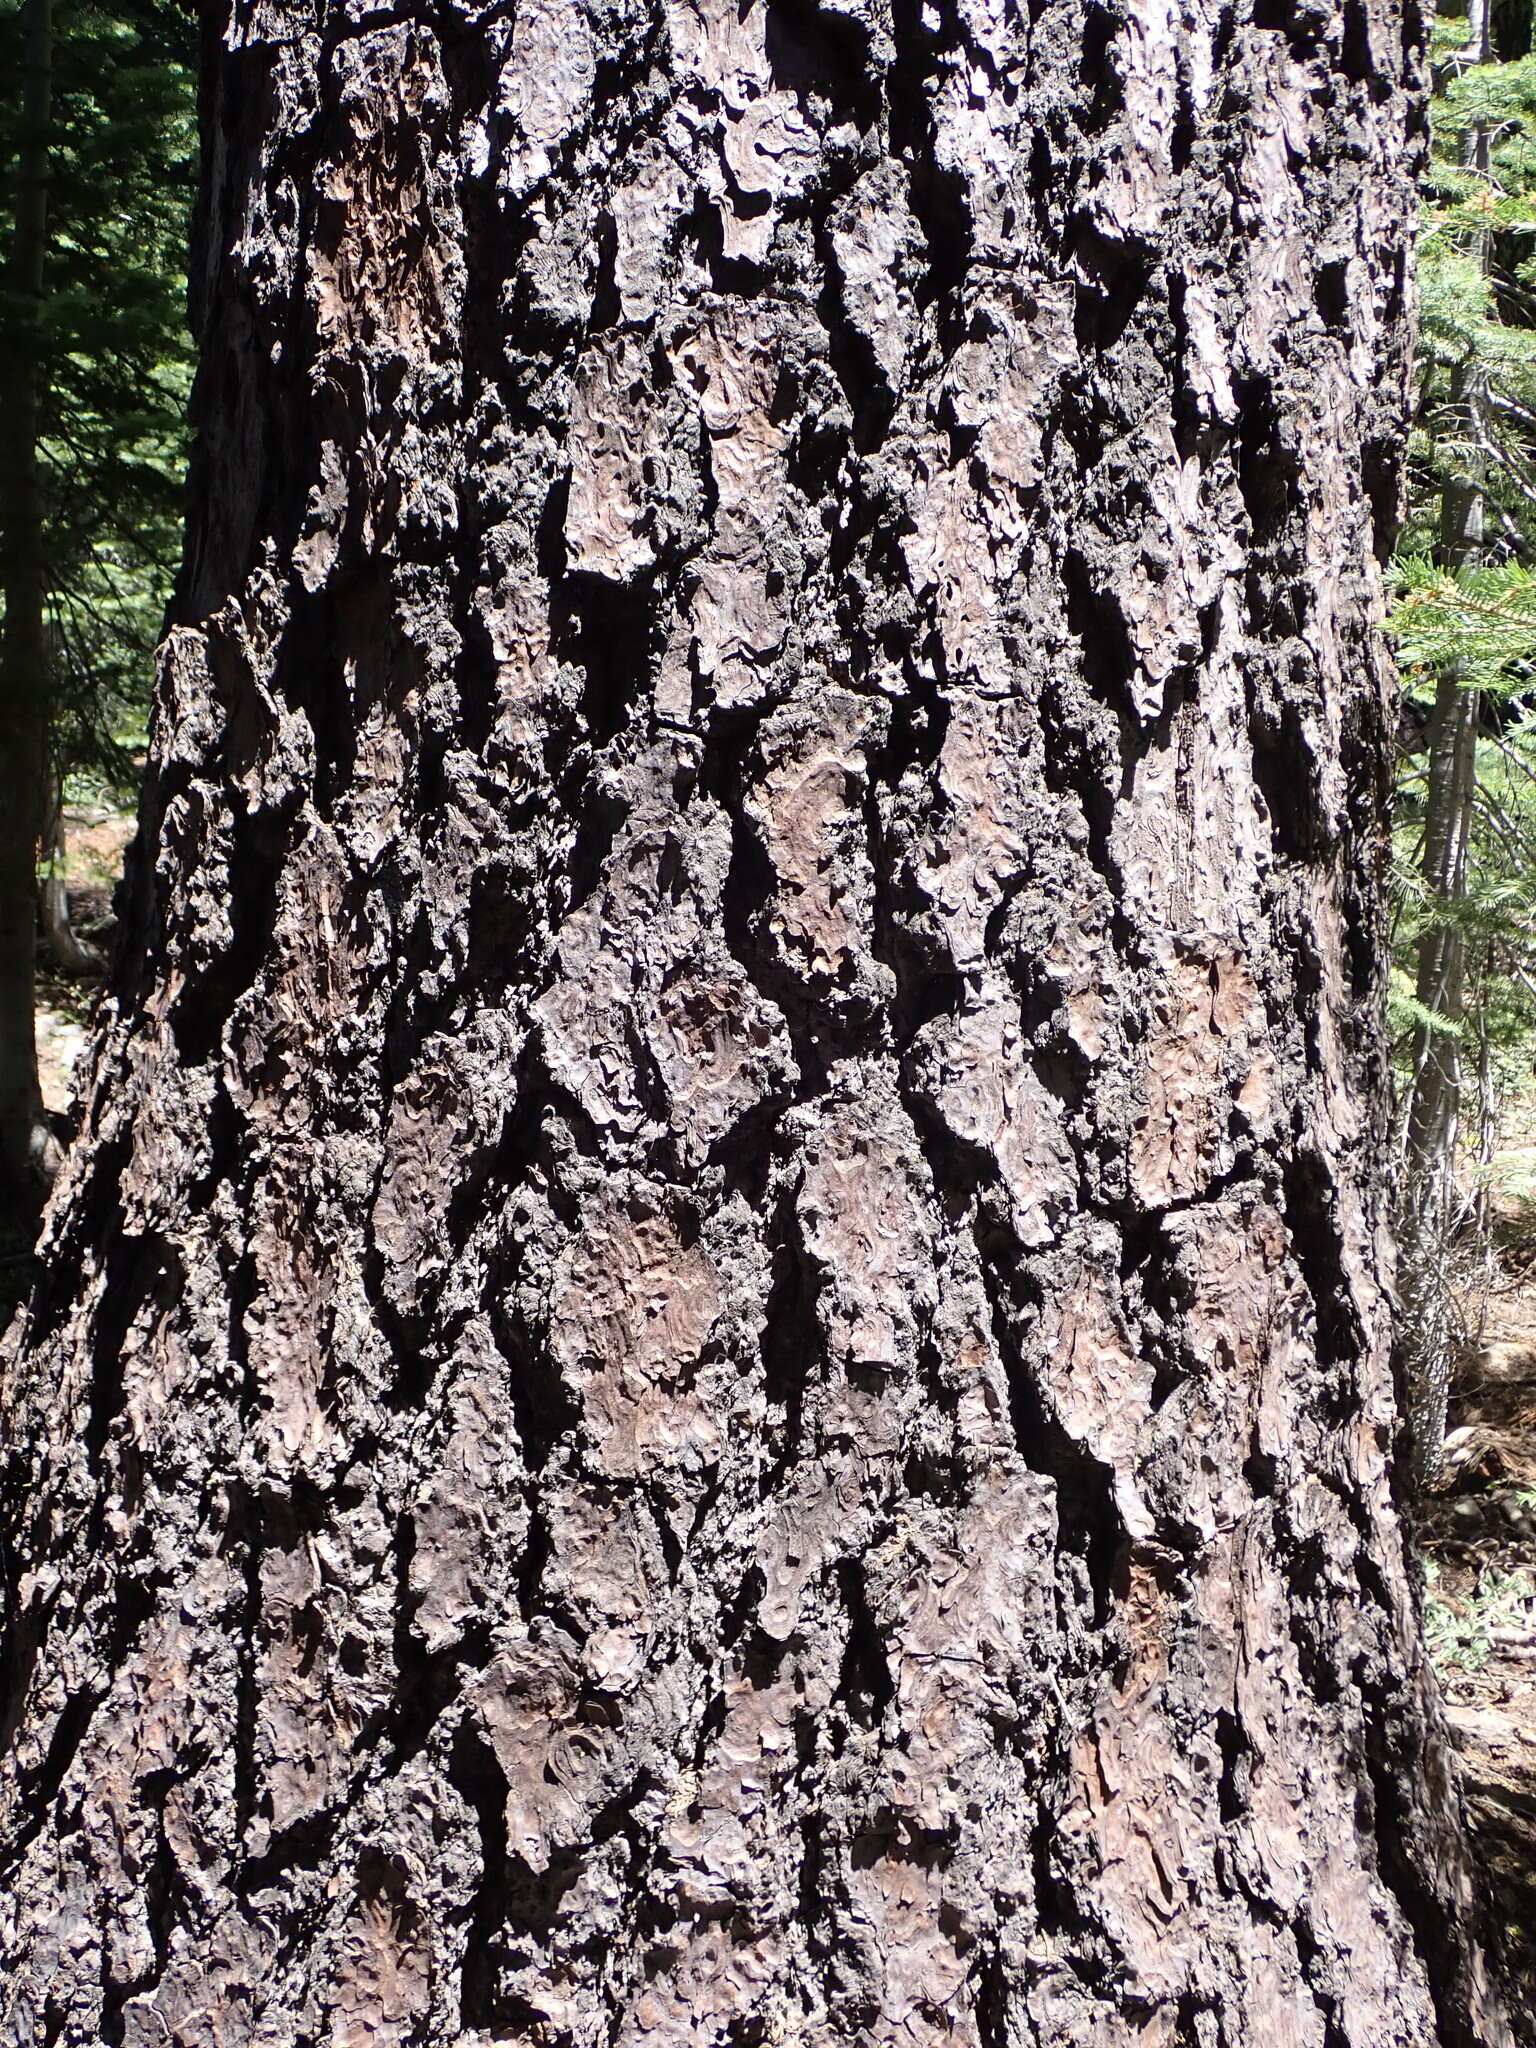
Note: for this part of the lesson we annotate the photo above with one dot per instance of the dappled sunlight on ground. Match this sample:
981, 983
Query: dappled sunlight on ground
1479, 1535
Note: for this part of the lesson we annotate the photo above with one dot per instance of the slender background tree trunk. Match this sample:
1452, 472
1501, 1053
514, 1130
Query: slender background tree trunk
716, 1364
1431, 1209
23, 645
66, 949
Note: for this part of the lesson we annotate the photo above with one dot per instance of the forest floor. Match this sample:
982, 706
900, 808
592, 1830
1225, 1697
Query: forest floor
1479, 1538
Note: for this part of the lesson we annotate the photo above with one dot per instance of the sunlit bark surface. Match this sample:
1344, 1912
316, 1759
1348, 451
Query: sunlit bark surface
715, 1364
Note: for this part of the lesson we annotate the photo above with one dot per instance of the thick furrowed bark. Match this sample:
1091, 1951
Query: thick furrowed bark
716, 1366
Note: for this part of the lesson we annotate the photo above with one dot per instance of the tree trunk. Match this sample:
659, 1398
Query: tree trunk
66, 949
23, 646
715, 1366
1430, 1209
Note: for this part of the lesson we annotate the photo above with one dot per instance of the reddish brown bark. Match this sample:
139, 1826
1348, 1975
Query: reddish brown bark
716, 1364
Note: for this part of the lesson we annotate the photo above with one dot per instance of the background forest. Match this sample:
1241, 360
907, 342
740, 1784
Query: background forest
110, 335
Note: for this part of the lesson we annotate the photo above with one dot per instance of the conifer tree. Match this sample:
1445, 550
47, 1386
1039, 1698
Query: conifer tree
714, 1368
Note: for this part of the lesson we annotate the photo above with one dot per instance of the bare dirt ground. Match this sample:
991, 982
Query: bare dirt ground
1479, 1535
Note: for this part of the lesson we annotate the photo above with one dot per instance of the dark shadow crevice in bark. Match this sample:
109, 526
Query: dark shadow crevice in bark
750, 1154
38, 1791
1113, 280
25, 1628
1330, 293
865, 386
136, 1270
543, 1407
628, 88
1097, 75
166, 1900
925, 987
326, 627
1059, 1912
1380, 474
1356, 60
410, 1016
426, 1681
89, 1221
792, 1344
1285, 772
1311, 1956
302, 1845
479, 692
1086, 767
608, 631
667, 1539
506, 943
243, 1538
1095, 619
259, 850
44, 1785
1310, 1619
1196, 434
1232, 1786
1312, 1227
865, 1685
971, 1193
749, 886
938, 194
1088, 1523
1156, 1295
1268, 473
495, 236
993, 2001
607, 305
818, 53
1301, 22
760, 1652
1190, 2009
733, 277
416, 1362
537, 1549
1185, 132
1261, 1473
475, 1775
417, 1337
